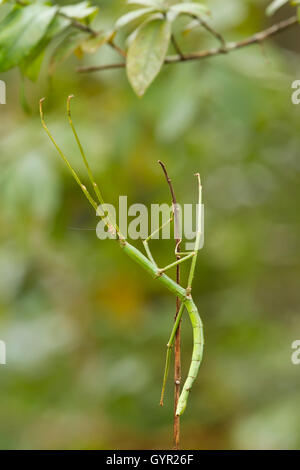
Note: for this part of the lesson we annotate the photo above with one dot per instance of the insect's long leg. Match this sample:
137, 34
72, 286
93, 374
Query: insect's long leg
198, 236
145, 242
73, 172
187, 257
148, 252
169, 350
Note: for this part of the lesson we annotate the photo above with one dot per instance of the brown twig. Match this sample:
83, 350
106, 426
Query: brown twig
82, 27
176, 47
101, 68
87, 29
213, 32
177, 362
117, 48
229, 46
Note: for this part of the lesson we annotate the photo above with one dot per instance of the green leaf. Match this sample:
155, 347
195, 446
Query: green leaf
30, 67
187, 8
191, 26
23, 99
20, 32
56, 26
92, 44
275, 5
66, 48
132, 36
80, 11
133, 16
146, 54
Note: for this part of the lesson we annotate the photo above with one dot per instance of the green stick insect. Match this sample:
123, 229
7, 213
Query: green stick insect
148, 264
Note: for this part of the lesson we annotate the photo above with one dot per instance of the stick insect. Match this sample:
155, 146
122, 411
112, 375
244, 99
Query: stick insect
148, 264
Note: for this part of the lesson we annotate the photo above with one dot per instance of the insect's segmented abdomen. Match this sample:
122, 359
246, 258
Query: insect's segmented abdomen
196, 357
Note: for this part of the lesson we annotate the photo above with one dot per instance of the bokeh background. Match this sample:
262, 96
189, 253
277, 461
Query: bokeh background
85, 327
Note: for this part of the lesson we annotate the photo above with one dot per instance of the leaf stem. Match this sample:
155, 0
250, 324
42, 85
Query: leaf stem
176, 47
212, 31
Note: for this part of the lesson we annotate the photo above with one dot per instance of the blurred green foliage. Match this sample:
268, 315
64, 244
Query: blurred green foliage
85, 328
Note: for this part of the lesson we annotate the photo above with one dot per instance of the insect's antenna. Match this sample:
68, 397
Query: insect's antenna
89, 171
73, 172
111, 224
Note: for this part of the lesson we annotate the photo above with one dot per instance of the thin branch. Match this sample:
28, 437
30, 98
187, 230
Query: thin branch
116, 48
213, 32
177, 47
229, 46
82, 27
210, 29
87, 29
177, 362
101, 68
